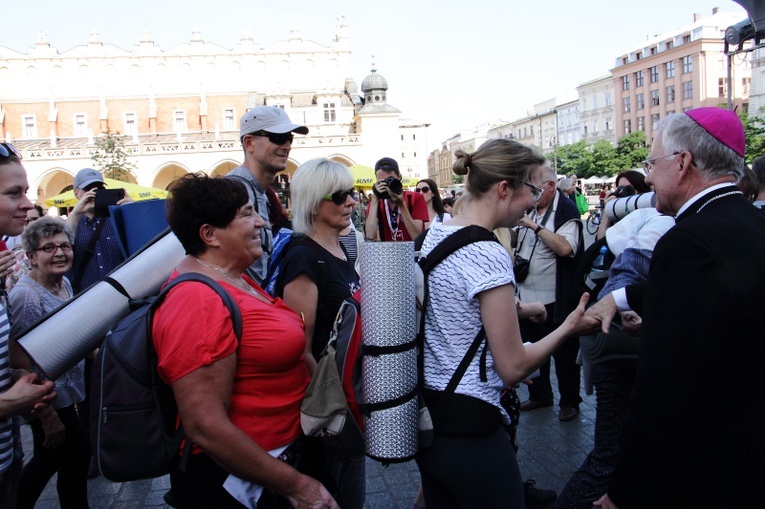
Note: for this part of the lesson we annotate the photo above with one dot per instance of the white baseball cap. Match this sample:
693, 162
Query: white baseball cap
271, 119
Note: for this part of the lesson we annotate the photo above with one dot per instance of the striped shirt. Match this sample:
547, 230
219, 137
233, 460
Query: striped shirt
349, 242
6, 427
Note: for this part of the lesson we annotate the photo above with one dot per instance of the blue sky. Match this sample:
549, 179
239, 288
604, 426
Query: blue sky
453, 65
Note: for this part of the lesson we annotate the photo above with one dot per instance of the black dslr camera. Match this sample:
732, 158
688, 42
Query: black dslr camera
394, 185
624, 191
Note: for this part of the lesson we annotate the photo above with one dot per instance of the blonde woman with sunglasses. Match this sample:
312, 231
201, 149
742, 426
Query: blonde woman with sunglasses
315, 279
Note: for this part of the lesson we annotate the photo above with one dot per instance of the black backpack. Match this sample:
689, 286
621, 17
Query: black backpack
133, 415
425, 264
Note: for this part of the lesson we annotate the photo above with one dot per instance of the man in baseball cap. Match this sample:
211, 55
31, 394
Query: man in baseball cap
393, 214
96, 248
266, 133
87, 176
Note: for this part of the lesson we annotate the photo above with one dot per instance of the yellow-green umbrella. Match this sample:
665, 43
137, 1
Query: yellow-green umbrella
408, 182
363, 176
135, 191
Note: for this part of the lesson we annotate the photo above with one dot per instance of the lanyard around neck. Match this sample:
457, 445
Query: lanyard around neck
393, 217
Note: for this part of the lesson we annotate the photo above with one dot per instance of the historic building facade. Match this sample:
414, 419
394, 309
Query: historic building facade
676, 71
669, 73
596, 110
179, 108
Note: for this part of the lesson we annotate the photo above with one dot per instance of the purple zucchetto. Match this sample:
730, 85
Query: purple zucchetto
723, 125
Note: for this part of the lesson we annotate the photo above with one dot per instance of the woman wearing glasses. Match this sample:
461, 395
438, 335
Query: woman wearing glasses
315, 279
436, 212
60, 444
471, 462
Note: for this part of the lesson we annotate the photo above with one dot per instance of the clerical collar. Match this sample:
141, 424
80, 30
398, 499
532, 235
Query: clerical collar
701, 194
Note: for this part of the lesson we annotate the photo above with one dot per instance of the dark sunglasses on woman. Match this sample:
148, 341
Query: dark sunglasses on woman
338, 197
422, 190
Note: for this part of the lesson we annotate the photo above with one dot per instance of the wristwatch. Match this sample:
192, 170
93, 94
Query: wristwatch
538, 229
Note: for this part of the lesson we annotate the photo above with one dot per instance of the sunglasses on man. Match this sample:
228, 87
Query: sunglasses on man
8, 150
94, 185
339, 197
276, 139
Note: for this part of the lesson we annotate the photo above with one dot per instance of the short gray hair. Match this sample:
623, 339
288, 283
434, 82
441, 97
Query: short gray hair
44, 228
713, 158
312, 181
565, 184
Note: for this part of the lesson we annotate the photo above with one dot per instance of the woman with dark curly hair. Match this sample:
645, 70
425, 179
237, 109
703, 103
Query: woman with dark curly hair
238, 401
436, 212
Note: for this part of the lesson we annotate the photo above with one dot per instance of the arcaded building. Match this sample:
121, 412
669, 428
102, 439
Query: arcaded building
180, 107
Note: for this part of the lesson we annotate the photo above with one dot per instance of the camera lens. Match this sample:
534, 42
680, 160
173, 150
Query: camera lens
623, 191
394, 185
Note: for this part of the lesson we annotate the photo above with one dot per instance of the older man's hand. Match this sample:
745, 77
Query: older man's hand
603, 311
632, 322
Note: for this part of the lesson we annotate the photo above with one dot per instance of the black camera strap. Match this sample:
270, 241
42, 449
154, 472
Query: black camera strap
544, 221
452, 243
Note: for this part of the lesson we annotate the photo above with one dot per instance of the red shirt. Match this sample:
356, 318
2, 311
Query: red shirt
193, 328
391, 219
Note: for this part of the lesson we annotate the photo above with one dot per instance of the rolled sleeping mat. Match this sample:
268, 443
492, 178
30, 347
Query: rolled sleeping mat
389, 365
620, 207
138, 223
64, 337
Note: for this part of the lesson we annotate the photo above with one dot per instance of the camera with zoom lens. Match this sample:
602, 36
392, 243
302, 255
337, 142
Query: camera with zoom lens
394, 185
624, 191
615, 210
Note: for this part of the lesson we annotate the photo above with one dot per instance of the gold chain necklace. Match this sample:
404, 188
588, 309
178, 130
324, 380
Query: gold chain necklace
241, 283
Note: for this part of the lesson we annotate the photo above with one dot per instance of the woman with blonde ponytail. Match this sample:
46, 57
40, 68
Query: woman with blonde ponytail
471, 462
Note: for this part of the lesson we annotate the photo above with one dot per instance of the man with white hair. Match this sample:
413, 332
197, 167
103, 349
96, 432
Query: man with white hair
550, 239
693, 434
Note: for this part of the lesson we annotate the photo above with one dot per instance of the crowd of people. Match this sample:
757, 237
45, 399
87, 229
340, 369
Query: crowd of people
660, 340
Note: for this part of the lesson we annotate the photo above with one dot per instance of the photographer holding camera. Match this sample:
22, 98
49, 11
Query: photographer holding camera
393, 214
628, 183
548, 245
